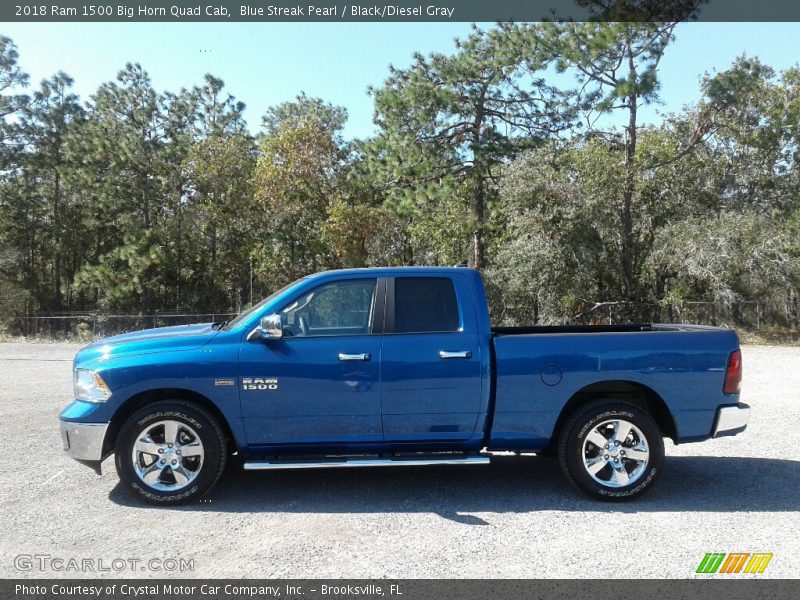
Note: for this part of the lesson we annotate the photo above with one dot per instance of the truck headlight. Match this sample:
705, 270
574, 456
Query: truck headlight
89, 386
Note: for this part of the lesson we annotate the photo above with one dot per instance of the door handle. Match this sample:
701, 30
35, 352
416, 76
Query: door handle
460, 354
354, 357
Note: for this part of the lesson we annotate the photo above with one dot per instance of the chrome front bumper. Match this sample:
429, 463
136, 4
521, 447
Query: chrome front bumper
731, 420
84, 441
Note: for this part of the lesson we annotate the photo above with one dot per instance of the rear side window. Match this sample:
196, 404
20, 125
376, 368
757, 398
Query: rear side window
425, 304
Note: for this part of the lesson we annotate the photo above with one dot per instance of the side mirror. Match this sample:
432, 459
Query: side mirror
270, 328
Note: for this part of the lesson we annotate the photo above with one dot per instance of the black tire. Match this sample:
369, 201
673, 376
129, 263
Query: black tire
207, 470
572, 451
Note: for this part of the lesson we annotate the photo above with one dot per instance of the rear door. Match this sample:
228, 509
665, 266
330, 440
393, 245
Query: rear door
430, 366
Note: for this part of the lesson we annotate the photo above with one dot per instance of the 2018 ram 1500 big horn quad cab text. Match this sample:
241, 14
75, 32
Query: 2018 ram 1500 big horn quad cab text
391, 367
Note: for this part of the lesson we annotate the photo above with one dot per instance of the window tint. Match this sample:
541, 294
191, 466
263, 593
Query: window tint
424, 304
337, 308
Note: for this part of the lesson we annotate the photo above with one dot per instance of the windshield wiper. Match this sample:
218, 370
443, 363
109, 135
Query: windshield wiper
219, 325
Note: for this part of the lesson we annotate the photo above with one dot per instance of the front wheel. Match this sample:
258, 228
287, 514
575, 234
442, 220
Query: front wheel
170, 452
611, 450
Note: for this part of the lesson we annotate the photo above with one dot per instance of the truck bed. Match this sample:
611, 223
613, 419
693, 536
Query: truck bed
538, 369
534, 329
622, 328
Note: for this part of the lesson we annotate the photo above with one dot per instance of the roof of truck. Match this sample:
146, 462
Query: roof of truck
442, 270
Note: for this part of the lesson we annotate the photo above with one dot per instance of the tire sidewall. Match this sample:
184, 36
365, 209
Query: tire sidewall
572, 450
178, 411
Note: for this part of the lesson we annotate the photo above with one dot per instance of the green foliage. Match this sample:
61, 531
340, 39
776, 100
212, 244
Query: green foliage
12, 103
506, 152
730, 257
452, 121
295, 182
328, 117
559, 242
122, 273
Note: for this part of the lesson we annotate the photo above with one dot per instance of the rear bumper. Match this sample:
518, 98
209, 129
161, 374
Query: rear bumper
731, 420
84, 441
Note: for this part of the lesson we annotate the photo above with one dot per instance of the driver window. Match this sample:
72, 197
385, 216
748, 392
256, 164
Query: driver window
336, 308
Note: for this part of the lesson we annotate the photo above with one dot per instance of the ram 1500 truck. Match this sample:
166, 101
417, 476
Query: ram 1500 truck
396, 367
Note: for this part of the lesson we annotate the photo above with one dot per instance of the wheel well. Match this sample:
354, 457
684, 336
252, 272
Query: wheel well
629, 391
142, 399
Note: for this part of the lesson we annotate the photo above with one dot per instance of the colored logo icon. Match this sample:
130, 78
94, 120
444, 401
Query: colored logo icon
734, 562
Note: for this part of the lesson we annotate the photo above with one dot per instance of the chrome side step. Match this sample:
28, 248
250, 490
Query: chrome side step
364, 462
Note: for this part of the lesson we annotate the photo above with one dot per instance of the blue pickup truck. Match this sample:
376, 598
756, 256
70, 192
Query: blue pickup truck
396, 367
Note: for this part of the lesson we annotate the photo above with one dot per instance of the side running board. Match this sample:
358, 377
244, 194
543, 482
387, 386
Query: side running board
364, 462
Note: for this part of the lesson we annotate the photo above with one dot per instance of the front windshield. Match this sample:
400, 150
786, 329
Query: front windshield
246, 314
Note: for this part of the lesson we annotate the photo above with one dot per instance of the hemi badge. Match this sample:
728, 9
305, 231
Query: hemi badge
225, 382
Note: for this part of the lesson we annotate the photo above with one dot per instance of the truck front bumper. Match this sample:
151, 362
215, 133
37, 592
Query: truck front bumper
84, 441
731, 420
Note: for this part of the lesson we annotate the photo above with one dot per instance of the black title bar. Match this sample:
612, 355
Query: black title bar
397, 10
708, 588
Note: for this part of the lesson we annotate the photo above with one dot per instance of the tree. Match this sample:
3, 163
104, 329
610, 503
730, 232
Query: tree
53, 110
297, 178
328, 117
359, 230
731, 257
755, 114
741, 243
554, 257
12, 79
130, 151
219, 112
225, 226
218, 220
616, 66
142, 201
12, 102
453, 120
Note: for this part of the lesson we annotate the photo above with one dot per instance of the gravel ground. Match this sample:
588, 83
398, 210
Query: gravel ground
515, 518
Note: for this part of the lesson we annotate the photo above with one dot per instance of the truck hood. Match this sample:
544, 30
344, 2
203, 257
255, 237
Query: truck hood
160, 339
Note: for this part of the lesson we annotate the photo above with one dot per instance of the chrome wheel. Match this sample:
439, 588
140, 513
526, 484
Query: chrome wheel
615, 453
168, 455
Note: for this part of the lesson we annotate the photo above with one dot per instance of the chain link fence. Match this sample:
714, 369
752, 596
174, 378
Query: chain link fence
773, 318
749, 316
89, 326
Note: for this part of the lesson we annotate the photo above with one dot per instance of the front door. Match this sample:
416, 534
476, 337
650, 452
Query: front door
320, 383
431, 367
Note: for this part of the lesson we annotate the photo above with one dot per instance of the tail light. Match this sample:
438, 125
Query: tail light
733, 373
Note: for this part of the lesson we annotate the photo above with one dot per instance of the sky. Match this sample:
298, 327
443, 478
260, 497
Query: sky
264, 64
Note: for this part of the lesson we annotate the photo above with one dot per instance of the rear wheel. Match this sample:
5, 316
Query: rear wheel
170, 452
611, 450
